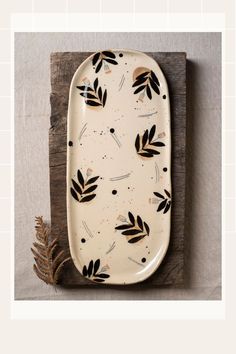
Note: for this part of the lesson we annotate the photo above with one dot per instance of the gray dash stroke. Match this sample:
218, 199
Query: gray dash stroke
87, 229
147, 115
133, 260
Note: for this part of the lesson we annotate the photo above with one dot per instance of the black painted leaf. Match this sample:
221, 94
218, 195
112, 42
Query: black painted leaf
96, 266
162, 205
87, 95
151, 151
140, 223
103, 275
145, 154
111, 61
123, 227
87, 198
98, 66
158, 143
84, 88
139, 89
85, 271
139, 82
95, 58
167, 193
104, 98
92, 180
76, 187
109, 54
92, 103
90, 268
98, 280
159, 195
74, 194
155, 79
149, 94
80, 178
137, 143
145, 138
152, 132
131, 217
95, 84
167, 207
154, 86
100, 93
131, 232
90, 189
142, 75
136, 239
146, 227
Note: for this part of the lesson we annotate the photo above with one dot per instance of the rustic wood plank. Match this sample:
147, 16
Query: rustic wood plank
63, 66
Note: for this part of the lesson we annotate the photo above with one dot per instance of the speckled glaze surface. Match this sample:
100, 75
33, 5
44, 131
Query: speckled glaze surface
118, 167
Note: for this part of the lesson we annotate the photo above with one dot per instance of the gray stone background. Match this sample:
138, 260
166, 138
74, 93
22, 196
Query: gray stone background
203, 189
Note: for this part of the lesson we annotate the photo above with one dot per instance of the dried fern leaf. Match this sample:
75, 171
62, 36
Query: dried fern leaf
48, 261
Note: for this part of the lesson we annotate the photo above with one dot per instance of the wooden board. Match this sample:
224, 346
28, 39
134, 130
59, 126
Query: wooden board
63, 67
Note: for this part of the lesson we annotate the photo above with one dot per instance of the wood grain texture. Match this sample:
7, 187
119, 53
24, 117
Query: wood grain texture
63, 66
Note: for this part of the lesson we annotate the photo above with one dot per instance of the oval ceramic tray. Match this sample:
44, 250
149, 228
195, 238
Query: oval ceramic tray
118, 167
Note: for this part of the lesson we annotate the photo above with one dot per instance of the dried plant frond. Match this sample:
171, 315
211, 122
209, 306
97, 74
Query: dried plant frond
48, 261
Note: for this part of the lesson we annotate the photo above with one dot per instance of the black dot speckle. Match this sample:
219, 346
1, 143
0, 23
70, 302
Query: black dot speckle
165, 169
164, 97
112, 130
114, 192
121, 55
70, 143
83, 240
143, 260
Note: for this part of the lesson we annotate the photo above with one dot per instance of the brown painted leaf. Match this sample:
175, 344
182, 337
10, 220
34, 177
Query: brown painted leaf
142, 75
149, 94
92, 103
90, 189
87, 198
84, 88
96, 266
167, 193
155, 79
95, 58
145, 138
139, 89
158, 143
136, 239
146, 228
131, 232
92, 180
152, 133
145, 154
154, 87
109, 54
139, 82
87, 95
137, 143
131, 217
76, 186
124, 227
100, 93
151, 151
159, 195
111, 61
74, 194
85, 271
98, 66
95, 84
162, 205
104, 98
90, 268
140, 222
80, 178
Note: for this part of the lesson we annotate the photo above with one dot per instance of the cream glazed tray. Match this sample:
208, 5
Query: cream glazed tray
118, 167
